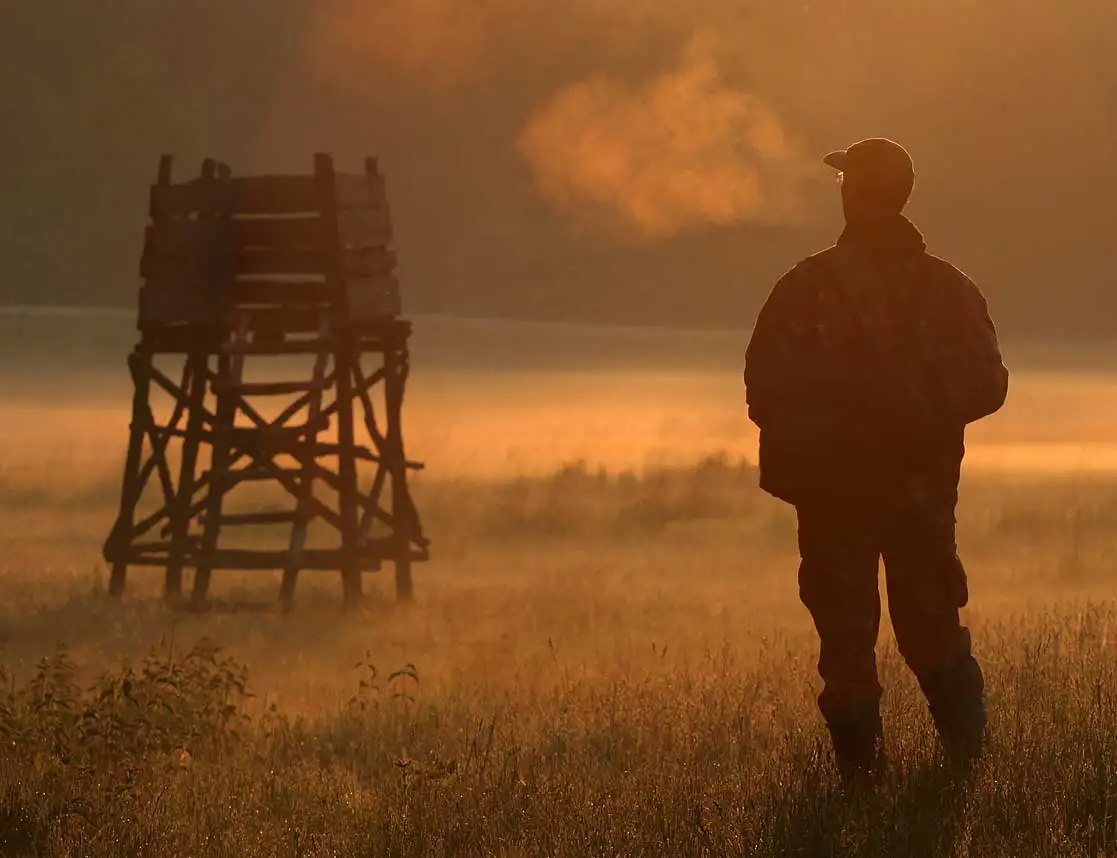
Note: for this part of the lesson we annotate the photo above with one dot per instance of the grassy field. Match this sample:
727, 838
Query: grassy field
605, 658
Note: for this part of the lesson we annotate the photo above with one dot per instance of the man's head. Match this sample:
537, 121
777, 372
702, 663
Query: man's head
877, 177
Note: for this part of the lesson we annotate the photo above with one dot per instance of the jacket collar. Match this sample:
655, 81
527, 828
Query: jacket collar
890, 235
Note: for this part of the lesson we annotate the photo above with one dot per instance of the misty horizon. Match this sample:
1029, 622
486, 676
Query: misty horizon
636, 165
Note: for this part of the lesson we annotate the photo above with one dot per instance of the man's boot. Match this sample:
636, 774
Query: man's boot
956, 697
858, 741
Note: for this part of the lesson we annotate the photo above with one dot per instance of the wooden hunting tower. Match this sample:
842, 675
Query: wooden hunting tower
239, 267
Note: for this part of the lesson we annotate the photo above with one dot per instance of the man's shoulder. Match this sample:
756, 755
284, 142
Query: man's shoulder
811, 267
947, 274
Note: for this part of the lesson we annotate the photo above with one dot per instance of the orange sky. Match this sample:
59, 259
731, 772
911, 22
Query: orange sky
645, 162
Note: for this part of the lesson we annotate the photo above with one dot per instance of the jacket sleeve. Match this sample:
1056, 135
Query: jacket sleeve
976, 376
772, 382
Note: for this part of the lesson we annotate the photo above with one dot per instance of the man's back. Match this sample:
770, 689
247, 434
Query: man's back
880, 352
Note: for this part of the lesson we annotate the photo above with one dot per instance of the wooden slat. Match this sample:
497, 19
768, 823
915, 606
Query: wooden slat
251, 437
286, 293
276, 231
368, 296
199, 237
271, 325
187, 338
275, 322
366, 262
373, 336
261, 195
374, 298
242, 195
213, 264
288, 347
270, 388
242, 519
323, 450
291, 261
255, 473
358, 229
183, 302
193, 237
199, 258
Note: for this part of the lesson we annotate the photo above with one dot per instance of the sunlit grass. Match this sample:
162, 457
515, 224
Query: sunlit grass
600, 663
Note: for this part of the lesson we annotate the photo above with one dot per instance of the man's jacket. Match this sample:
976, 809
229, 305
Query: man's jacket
866, 363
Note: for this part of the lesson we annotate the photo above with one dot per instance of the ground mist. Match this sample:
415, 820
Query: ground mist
600, 662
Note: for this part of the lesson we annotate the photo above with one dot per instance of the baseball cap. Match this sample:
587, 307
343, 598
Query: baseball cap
878, 159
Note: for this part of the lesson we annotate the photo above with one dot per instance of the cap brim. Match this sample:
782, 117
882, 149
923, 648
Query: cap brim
837, 160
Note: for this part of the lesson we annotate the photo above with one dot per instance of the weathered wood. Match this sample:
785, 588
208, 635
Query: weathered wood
131, 489
268, 436
218, 266
322, 450
374, 298
395, 379
234, 519
358, 229
297, 545
255, 473
197, 240
277, 321
290, 294
361, 387
283, 477
194, 382
287, 347
344, 357
271, 388
265, 195
159, 457
296, 265
355, 262
298, 405
362, 392
184, 302
222, 453
371, 336
158, 436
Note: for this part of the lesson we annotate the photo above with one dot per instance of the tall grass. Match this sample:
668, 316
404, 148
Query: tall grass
600, 663
172, 758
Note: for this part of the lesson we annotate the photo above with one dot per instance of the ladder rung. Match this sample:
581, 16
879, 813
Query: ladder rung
272, 434
362, 453
288, 347
244, 518
251, 474
270, 388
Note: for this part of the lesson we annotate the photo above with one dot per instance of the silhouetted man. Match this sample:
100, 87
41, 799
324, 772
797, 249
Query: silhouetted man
866, 364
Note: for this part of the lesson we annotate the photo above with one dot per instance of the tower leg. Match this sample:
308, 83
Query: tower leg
307, 462
219, 466
347, 471
395, 380
195, 392
119, 541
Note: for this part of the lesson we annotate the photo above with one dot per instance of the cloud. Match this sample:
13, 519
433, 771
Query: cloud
685, 150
